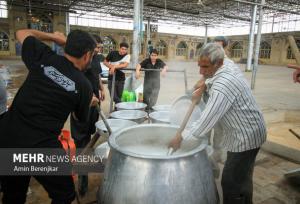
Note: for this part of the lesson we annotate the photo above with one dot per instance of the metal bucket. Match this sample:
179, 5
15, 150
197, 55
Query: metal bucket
180, 107
115, 125
133, 115
138, 169
160, 117
162, 107
131, 106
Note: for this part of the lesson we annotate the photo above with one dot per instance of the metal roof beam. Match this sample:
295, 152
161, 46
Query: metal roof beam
269, 7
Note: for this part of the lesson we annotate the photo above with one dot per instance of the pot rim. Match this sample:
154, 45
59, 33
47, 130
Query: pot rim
100, 123
143, 114
153, 114
165, 107
112, 143
122, 106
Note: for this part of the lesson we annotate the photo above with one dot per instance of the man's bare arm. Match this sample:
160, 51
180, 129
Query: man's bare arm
121, 65
56, 37
106, 63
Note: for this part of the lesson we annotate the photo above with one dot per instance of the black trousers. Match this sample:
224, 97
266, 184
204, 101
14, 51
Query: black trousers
237, 176
60, 188
151, 91
119, 86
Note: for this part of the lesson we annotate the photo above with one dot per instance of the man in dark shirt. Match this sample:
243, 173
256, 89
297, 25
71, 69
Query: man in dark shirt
152, 78
115, 61
54, 88
94, 70
81, 132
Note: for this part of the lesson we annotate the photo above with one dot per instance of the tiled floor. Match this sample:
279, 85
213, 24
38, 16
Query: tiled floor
269, 182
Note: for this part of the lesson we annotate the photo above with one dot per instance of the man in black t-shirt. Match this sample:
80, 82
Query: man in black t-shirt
152, 78
81, 132
55, 87
115, 61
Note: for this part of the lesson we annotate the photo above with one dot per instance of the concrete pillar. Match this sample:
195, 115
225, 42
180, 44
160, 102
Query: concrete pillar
257, 45
17, 20
172, 48
60, 22
278, 49
294, 48
12, 40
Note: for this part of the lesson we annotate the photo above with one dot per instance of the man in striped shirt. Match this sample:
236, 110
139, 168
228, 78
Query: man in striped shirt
217, 134
232, 104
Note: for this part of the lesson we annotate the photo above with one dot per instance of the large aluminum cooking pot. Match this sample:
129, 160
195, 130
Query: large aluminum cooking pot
133, 115
102, 150
131, 106
139, 171
114, 124
160, 117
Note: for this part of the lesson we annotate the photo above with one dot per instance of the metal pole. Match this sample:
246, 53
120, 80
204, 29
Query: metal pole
136, 34
273, 23
251, 39
257, 45
205, 40
148, 36
141, 25
185, 80
112, 93
67, 24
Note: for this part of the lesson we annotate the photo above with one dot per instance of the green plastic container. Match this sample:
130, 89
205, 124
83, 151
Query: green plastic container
125, 96
131, 97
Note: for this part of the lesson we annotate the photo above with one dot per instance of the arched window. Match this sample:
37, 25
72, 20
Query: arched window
109, 44
42, 22
265, 50
198, 48
4, 42
237, 50
289, 54
181, 49
161, 47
